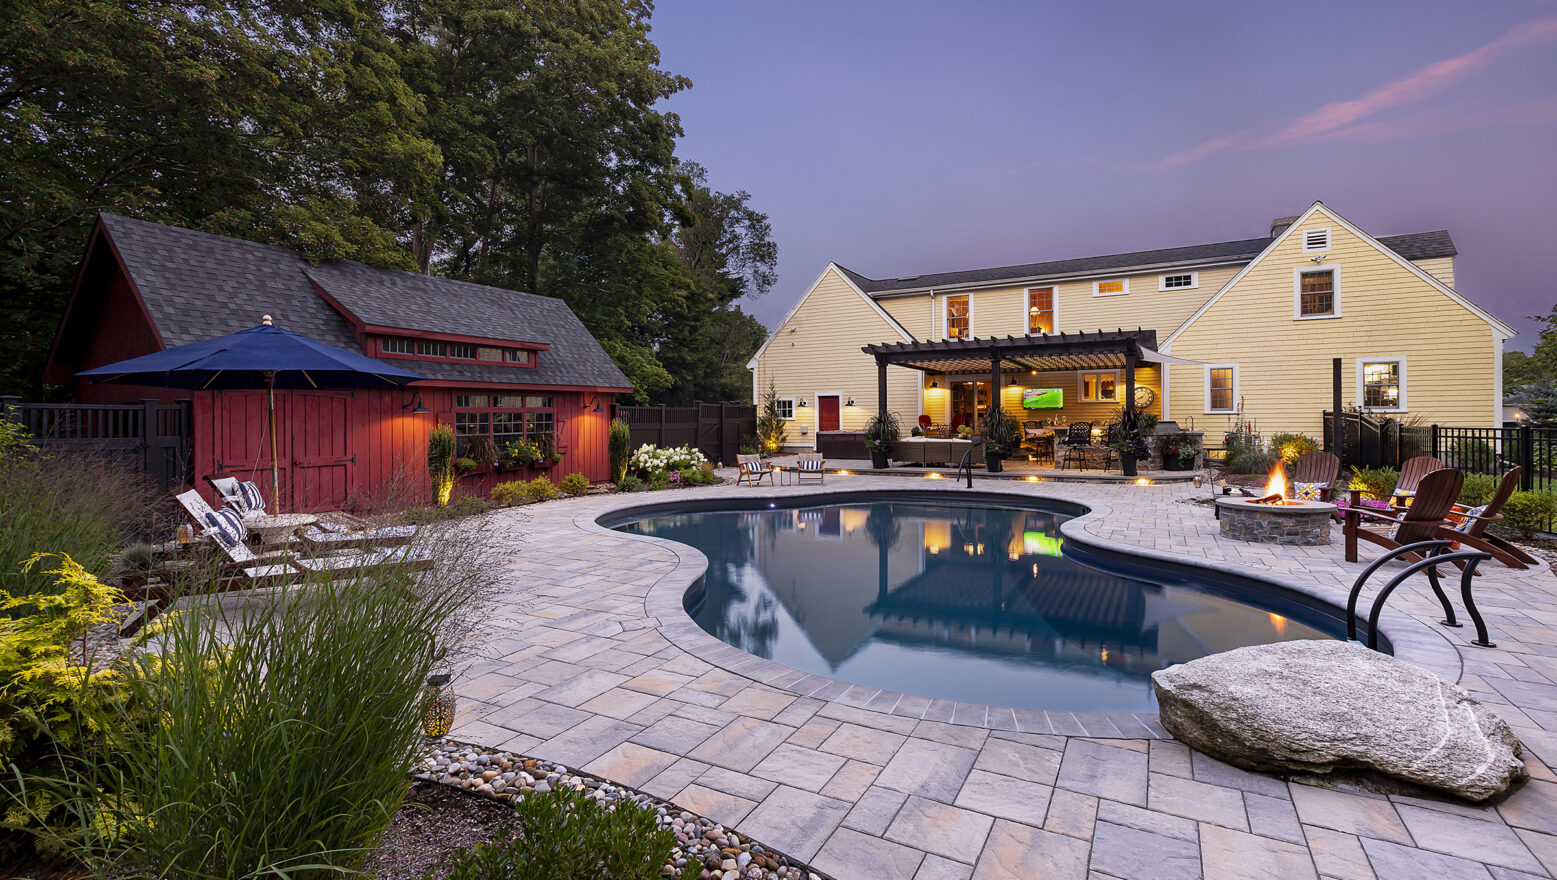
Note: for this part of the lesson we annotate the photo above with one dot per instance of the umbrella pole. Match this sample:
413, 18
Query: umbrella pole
275, 466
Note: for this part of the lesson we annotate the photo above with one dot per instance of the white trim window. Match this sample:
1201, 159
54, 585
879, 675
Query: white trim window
1040, 311
957, 322
1111, 287
1381, 384
1221, 388
1316, 292
785, 407
1316, 240
1178, 281
1099, 386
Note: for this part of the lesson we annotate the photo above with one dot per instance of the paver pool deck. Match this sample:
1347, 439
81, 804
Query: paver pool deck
586, 658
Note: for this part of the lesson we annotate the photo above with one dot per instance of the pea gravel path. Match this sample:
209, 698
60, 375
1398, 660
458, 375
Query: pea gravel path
586, 659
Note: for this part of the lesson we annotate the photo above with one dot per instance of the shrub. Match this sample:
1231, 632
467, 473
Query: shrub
1291, 447
1469, 452
630, 483
1376, 483
509, 492
657, 480
567, 835
288, 724
1250, 460
1528, 512
15, 442
81, 506
697, 477
772, 429
440, 462
469, 505
619, 443
465, 464
650, 459
1478, 489
541, 489
574, 484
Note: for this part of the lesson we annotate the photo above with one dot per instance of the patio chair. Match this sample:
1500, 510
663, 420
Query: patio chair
243, 496
1423, 520
1078, 438
750, 469
1110, 437
925, 422
1411, 474
1469, 525
328, 537
1314, 475
811, 466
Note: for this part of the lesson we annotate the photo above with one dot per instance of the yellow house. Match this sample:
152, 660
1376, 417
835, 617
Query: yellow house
1258, 321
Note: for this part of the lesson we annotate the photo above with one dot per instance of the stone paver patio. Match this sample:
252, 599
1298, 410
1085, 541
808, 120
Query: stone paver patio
587, 659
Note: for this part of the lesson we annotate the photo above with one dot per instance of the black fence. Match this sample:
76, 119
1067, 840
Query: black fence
716, 429
1495, 450
150, 436
1368, 441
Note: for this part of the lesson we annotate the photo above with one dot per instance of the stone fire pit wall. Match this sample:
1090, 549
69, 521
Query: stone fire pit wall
1307, 524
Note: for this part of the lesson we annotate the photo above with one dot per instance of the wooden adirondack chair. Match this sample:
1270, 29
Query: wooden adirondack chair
1317, 467
1423, 520
1471, 527
1411, 474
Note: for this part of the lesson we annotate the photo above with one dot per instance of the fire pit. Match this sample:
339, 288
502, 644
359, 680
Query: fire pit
1274, 518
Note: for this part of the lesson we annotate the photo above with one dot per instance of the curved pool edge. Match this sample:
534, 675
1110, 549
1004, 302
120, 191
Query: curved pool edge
1412, 639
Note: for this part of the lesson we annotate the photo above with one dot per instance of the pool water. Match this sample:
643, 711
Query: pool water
958, 601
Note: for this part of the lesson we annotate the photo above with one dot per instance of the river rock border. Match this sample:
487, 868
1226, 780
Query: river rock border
704, 849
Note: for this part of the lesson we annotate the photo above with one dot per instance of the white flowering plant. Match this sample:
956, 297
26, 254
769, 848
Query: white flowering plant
650, 460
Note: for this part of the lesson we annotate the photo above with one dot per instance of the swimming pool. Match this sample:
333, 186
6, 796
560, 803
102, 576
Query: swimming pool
976, 601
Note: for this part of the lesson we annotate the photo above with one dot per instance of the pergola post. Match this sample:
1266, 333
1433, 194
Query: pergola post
1127, 458
881, 389
994, 386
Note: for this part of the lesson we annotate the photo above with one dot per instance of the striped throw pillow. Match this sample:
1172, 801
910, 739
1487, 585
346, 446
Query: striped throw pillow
226, 527
811, 465
250, 499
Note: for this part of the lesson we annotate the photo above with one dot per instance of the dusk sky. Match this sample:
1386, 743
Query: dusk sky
903, 138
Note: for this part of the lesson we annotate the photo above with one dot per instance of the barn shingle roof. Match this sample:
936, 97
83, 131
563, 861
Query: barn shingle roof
197, 285
1415, 246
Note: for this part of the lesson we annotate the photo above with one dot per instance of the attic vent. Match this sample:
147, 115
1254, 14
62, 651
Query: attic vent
1316, 239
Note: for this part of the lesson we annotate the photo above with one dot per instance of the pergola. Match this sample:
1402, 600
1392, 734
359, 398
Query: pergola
1100, 349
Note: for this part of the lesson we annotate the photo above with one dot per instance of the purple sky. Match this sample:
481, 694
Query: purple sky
903, 138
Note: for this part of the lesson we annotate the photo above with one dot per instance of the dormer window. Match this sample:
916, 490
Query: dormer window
1316, 240
458, 351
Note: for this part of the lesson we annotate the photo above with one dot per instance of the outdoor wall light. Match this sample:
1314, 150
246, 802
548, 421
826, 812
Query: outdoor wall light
850, 403
598, 408
935, 383
416, 406
802, 403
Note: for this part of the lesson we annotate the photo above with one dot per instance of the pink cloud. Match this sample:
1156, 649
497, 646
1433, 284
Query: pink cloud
1413, 88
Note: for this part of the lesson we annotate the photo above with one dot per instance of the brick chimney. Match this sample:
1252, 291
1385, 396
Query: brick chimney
1280, 224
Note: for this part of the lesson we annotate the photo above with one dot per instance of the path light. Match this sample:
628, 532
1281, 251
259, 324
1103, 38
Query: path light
438, 706
843, 473
1143, 482
933, 476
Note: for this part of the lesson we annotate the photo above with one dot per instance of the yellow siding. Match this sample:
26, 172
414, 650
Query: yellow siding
1003, 311
1285, 364
1441, 268
818, 351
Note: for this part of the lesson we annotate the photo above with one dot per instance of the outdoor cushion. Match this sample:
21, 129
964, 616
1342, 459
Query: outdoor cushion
1468, 518
1395, 529
1309, 491
812, 464
250, 499
226, 526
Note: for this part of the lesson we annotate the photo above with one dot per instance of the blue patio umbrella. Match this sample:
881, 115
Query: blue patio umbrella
265, 357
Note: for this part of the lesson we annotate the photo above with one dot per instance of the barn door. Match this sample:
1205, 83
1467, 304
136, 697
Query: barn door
323, 461
242, 442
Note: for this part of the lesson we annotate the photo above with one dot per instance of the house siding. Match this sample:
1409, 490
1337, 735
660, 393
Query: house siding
817, 351
1284, 365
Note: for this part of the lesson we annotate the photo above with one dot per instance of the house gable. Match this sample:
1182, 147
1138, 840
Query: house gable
1386, 308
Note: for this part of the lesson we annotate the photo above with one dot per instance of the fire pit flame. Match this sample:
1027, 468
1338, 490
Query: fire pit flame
1276, 488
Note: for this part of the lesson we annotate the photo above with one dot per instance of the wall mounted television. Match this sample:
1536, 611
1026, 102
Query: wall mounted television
1043, 398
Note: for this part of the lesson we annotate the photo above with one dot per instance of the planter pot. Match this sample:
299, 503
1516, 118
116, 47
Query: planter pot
1174, 464
992, 462
878, 459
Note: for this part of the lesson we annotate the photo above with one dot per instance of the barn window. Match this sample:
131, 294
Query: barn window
503, 417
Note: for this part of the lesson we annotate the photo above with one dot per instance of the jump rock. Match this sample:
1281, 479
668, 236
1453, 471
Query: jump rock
1317, 706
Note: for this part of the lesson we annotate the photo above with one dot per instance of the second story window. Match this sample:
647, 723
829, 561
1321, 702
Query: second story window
1040, 311
1111, 288
1317, 293
959, 314
1179, 281
433, 348
397, 345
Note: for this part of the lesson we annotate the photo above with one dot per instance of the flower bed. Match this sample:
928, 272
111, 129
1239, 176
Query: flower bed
704, 848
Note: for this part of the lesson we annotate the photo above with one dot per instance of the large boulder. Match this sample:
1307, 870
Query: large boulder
1318, 706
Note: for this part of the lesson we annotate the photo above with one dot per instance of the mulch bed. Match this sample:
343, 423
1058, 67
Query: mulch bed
434, 821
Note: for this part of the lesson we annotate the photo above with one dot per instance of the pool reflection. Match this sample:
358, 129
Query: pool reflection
959, 602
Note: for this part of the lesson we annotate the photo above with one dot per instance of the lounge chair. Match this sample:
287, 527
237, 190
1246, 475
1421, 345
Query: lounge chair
1423, 520
1469, 525
750, 469
243, 496
1078, 439
350, 533
811, 466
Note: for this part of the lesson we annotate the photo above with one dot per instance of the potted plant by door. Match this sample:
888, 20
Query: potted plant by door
880, 433
1000, 436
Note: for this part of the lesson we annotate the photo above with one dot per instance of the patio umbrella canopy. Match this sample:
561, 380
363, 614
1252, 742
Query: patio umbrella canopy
265, 357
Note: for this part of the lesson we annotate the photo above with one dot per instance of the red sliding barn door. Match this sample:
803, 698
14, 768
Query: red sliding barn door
323, 460
242, 442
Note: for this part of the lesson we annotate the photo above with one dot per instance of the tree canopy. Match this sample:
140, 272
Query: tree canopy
1523, 371
522, 146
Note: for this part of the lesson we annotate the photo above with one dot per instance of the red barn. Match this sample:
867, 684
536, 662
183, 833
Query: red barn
496, 362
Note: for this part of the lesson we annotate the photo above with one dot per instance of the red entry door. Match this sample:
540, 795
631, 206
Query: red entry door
323, 459
827, 413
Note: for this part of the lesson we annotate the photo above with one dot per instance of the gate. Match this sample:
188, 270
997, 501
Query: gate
150, 437
715, 429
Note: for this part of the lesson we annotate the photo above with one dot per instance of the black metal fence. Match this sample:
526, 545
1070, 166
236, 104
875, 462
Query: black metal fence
1368, 441
149, 436
1495, 450
716, 429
